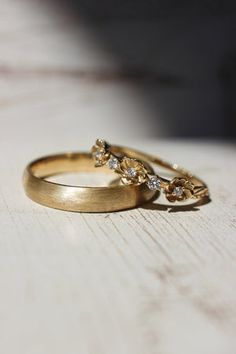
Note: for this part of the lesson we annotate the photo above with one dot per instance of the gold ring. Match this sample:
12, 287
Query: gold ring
78, 198
127, 163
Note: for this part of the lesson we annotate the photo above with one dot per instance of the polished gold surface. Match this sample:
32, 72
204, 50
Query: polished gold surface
128, 164
78, 198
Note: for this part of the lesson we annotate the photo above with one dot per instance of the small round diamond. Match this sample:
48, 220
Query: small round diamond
131, 172
178, 191
113, 163
154, 183
98, 155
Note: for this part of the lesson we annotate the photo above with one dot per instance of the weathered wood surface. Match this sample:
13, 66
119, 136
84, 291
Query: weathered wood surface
169, 71
154, 280
149, 280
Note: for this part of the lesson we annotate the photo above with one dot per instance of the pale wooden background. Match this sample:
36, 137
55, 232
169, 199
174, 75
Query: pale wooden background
152, 280
149, 280
170, 69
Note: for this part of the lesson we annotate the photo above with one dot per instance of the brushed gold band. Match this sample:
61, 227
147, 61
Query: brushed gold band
127, 163
78, 198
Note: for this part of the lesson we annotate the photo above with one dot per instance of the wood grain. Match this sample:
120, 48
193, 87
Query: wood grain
154, 280
119, 67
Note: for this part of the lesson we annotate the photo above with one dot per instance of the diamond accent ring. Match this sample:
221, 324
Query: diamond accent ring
129, 165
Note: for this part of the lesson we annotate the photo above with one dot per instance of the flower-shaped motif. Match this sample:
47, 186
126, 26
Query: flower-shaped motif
154, 183
179, 189
101, 152
132, 171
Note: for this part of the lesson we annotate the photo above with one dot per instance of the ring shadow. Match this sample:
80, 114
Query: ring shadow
176, 208
170, 208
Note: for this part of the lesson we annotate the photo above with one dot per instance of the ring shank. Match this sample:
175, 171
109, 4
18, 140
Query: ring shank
201, 187
78, 198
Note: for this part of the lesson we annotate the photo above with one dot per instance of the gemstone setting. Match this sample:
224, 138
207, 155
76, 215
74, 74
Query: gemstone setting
154, 183
178, 191
131, 172
98, 155
113, 163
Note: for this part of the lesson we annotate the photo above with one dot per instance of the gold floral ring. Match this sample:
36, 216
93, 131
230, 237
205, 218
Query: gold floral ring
127, 163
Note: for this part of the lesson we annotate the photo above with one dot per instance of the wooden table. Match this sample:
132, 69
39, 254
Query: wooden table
150, 280
154, 280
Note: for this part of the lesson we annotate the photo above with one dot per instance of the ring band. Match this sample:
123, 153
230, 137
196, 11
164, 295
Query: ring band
78, 198
128, 164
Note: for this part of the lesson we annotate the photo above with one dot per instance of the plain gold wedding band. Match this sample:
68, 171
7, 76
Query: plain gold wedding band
78, 198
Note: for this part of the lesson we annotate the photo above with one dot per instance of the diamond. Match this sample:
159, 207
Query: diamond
154, 183
98, 155
131, 172
113, 163
178, 191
